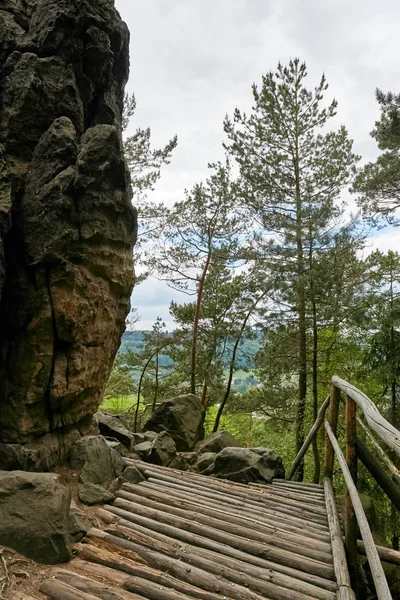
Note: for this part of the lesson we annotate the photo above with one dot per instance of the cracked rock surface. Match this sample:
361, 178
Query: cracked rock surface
67, 226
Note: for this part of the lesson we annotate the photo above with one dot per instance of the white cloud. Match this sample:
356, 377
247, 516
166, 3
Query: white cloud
193, 61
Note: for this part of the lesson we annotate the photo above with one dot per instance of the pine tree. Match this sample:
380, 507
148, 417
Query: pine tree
292, 172
378, 183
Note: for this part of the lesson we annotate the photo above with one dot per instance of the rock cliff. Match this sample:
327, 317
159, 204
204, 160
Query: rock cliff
67, 226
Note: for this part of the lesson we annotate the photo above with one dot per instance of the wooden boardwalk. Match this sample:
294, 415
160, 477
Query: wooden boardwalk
181, 536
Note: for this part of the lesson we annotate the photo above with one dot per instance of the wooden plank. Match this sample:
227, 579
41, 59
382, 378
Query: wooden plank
129, 501
339, 555
377, 472
389, 434
219, 512
219, 554
265, 515
395, 474
314, 514
182, 570
207, 537
307, 443
378, 575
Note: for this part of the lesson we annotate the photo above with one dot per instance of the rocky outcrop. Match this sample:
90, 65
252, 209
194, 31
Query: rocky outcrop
182, 418
67, 226
35, 516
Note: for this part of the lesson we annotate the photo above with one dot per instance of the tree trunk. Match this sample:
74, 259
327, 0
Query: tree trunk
301, 312
153, 408
196, 324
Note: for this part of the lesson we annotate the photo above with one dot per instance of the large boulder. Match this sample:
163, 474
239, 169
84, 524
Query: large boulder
216, 442
35, 516
247, 465
67, 226
160, 451
96, 461
182, 418
92, 493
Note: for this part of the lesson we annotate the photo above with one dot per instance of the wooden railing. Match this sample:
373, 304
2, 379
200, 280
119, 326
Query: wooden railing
354, 515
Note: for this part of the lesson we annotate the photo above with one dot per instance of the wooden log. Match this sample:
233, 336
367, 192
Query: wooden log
333, 421
314, 514
57, 590
386, 554
378, 575
239, 518
395, 474
307, 443
377, 472
268, 516
350, 519
129, 501
339, 555
389, 434
99, 590
283, 575
183, 570
206, 537
95, 571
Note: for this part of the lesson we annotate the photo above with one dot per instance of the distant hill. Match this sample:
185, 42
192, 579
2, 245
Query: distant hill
134, 340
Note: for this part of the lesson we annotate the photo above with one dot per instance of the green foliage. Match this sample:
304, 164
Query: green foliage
378, 183
143, 161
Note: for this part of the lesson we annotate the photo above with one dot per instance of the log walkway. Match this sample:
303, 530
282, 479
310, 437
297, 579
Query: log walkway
181, 536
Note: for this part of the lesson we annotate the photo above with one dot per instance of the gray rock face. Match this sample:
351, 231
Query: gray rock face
35, 516
247, 465
96, 461
159, 452
182, 418
216, 442
67, 227
184, 461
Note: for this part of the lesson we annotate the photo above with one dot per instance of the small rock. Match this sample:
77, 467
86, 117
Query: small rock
133, 475
91, 493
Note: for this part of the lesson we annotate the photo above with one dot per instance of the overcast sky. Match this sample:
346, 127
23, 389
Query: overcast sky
194, 61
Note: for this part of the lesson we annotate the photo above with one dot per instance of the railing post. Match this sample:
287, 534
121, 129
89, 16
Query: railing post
332, 420
350, 519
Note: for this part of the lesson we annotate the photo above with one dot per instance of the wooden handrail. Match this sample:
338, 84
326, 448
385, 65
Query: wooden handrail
389, 434
378, 575
354, 513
